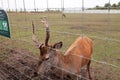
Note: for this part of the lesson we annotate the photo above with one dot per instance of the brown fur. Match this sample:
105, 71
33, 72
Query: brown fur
72, 60
77, 56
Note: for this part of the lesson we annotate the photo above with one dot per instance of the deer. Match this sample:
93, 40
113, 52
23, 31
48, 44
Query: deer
77, 55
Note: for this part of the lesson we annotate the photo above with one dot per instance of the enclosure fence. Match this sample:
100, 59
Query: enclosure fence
73, 19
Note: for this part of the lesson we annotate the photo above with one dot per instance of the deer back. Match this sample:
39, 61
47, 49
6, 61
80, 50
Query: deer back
79, 53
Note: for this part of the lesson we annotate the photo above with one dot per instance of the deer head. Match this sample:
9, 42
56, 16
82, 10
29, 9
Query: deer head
45, 47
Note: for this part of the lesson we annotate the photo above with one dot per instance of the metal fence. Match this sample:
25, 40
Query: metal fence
60, 5
75, 20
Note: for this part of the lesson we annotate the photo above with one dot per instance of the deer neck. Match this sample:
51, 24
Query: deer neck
67, 63
64, 60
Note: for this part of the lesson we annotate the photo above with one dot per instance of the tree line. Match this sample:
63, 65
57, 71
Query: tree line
108, 6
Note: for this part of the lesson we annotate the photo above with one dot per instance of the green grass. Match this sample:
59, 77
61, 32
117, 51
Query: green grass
100, 25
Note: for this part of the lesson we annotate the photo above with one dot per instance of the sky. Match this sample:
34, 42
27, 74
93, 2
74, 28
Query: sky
40, 4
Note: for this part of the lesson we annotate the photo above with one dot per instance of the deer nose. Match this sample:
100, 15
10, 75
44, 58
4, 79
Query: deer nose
47, 57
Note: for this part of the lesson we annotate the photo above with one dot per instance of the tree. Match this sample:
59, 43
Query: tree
114, 5
107, 5
97, 7
118, 5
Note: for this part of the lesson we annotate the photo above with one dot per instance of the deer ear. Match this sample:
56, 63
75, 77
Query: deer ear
58, 45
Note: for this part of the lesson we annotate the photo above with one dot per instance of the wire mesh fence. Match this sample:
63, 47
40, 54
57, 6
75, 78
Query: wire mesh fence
66, 25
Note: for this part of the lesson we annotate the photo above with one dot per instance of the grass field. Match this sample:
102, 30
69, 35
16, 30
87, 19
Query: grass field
99, 27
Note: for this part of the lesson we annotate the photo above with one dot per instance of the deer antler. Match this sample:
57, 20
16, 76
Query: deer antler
45, 22
36, 42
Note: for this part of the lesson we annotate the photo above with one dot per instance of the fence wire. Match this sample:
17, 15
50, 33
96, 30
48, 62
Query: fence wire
101, 62
63, 11
12, 66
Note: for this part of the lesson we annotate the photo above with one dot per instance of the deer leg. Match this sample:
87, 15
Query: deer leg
88, 69
38, 65
36, 69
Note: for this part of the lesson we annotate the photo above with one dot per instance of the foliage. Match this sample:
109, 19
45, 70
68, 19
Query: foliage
118, 4
107, 5
114, 5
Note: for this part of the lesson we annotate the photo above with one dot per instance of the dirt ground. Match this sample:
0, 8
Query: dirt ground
20, 64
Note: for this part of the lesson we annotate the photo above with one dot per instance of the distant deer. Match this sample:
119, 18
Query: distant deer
63, 15
77, 55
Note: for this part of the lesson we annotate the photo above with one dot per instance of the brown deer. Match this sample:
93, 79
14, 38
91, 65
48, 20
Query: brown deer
77, 55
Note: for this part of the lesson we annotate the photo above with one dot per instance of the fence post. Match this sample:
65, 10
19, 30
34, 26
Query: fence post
34, 5
2, 3
15, 6
8, 5
24, 5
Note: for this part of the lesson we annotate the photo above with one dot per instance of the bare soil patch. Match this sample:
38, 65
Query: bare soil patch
19, 65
